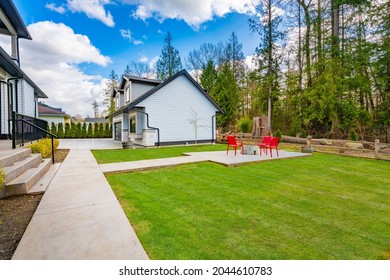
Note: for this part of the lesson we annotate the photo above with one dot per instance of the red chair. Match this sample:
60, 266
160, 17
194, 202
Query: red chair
264, 145
274, 144
233, 143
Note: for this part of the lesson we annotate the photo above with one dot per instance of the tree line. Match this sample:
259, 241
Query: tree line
322, 67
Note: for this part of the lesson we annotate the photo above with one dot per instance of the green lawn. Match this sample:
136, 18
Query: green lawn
320, 207
110, 156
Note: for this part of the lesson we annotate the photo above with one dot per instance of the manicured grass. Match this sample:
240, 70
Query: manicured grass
320, 207
110, 156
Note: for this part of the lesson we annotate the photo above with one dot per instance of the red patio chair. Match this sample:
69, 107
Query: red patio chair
264, 145
232, 142
274, 144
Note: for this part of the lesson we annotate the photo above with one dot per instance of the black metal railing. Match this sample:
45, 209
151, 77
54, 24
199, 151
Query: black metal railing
27, 129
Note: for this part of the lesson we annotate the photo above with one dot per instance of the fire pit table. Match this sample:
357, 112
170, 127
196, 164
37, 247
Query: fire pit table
250, 150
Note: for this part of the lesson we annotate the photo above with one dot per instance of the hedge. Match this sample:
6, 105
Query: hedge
79, 130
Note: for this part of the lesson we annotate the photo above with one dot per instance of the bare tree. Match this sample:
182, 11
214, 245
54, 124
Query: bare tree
195, 122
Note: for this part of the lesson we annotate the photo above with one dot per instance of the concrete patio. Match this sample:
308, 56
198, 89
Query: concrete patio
220, 157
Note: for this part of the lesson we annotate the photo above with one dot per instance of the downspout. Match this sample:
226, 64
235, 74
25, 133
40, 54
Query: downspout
147, 125
212, 129
10, 104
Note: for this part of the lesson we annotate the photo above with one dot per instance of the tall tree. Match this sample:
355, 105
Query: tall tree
226, 95
111, 84
169, 62
95, 108
235, 57
267, 27
139, 69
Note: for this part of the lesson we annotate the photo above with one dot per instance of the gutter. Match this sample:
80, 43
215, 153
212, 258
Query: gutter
147, 124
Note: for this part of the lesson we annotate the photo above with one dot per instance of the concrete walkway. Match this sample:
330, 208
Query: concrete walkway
79, 218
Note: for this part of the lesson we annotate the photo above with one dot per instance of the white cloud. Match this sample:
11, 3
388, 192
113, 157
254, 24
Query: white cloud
137, 42
52, 61
191, 11
126, 34
143, 59
59, 9
93, 9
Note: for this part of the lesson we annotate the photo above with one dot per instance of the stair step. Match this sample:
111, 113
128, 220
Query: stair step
19, 167
14, 156
23, 183
42, 184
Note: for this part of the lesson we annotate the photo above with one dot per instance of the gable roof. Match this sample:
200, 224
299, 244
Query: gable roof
44, 109
133, 104
139, 80
10, 15
14, 70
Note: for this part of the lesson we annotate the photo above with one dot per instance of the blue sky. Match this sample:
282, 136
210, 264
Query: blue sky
76, 43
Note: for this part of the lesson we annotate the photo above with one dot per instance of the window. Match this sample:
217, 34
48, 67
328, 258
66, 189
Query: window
128, 94
132, 124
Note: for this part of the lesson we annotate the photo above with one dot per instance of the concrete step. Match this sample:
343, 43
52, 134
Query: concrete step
18, 168
12, 156
23, 183
42, 184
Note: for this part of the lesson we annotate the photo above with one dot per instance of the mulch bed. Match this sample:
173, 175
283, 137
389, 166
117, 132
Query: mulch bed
15, 215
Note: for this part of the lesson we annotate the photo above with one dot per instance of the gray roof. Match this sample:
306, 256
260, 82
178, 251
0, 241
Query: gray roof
13, 16
134, 103
96, 120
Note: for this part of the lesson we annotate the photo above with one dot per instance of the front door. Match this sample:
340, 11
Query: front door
118, 131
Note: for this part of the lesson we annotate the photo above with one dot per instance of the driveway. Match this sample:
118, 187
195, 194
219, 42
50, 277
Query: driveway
89, 144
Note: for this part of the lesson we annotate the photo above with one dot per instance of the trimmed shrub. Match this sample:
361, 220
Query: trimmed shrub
53, 128
84, 131
353, 136
279, 134
77, 130
96, 132
60, 130
67, 133
244, 125
44, 147
90, 131
107, 131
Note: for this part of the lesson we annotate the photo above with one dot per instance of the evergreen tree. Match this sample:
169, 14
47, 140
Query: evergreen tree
266, 51
169, 62
90, 131
235, 57
226, 96
84, 130
107, 132
208, 78
96, 131
53, 129
101, 130
67, 133
113, 82
60, 130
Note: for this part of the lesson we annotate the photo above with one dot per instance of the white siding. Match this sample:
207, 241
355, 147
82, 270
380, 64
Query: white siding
170, 108
54, 119
4, 109
27, 102
139, 89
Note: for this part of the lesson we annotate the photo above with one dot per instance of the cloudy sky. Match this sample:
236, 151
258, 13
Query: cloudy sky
76, 43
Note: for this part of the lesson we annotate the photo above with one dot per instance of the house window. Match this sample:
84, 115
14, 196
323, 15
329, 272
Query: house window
132, 124
128, 94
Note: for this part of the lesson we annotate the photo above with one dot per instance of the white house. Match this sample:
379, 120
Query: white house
17, 91
151, 112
